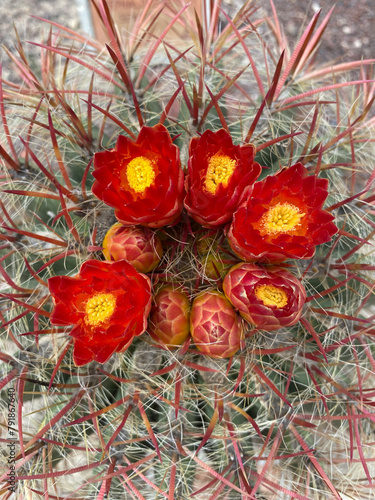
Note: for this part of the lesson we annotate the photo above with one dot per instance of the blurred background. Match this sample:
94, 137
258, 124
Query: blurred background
350, 34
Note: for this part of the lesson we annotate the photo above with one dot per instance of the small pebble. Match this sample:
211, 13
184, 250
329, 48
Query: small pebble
347, 30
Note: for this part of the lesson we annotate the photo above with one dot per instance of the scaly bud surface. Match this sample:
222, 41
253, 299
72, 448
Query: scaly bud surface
214, 325
268, 297
169, 319
140, 247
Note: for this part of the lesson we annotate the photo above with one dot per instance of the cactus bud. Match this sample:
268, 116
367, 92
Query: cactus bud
214, 260
269, 298
169, 319
207, 243
140, 247
216, 265
214, 325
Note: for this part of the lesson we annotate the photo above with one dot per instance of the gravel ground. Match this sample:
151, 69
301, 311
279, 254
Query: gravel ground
30, 29
350, 34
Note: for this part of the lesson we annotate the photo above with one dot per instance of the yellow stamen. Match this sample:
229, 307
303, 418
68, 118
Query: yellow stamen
219, 171
282, 218
100, 308
271, 296
140, 173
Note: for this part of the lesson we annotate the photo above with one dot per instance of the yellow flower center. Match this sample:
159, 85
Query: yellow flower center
100, 308
271, 296
282, 218
140, 173
219, 171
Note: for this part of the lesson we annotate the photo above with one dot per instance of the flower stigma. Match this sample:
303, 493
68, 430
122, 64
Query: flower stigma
219, 171
100, 308
140, 174
271, 296
282, 218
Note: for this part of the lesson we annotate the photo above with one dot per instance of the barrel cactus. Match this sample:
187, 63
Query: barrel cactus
234, 359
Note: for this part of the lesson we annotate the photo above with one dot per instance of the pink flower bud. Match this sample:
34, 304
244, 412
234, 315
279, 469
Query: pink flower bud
214, 325
169, 319
140, 247
268, 297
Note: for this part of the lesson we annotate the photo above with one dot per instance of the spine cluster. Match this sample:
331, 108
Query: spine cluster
186, 264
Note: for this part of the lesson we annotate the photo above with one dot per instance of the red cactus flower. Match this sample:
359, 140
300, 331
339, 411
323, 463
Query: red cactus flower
282, 218
140, 247
142, 180
268, 297
214, 325
169, 319
220, 174
108, 304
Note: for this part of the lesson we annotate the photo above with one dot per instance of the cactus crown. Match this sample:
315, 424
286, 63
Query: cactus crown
280, 403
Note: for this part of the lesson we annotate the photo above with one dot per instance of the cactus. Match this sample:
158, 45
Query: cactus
101, 406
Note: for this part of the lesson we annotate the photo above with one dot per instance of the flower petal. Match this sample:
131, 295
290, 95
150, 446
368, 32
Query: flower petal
108, 304
282, 218
142, 180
